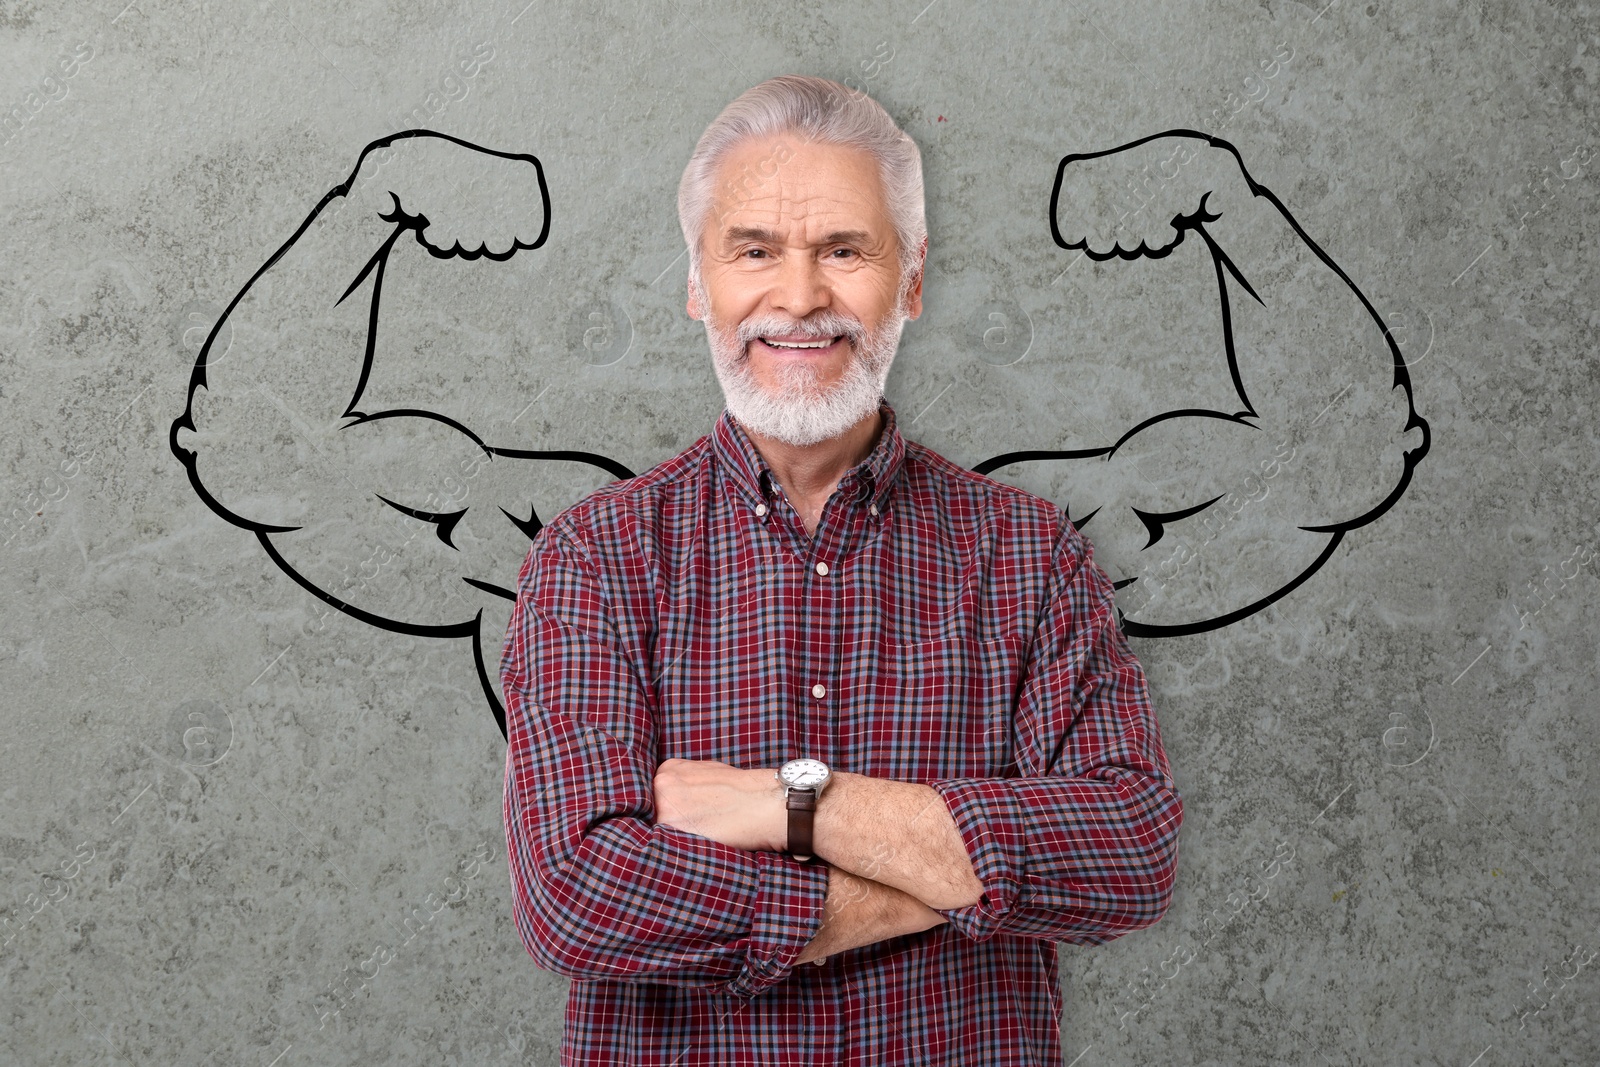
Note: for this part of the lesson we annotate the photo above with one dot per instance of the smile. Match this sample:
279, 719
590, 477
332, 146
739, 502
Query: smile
810, 346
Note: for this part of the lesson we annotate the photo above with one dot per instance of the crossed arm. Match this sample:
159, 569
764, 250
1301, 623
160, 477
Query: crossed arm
892, 849
1080, 846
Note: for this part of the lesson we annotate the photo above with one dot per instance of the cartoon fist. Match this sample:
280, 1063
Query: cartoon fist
1138, 199
463, 201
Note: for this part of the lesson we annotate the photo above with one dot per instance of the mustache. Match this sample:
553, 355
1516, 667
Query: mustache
827, 324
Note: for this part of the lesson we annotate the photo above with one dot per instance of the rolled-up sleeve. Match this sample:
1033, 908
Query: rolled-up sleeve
601, 890
1082, 845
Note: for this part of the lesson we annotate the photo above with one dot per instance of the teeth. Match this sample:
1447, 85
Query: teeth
808, 344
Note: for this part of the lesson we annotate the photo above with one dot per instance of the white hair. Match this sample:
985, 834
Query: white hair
816, 110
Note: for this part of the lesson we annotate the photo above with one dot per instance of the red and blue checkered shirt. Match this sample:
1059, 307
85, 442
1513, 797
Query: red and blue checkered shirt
960, 636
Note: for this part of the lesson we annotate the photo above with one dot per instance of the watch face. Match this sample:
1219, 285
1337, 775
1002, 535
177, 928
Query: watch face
804, 773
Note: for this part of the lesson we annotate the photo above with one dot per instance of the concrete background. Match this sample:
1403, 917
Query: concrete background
231, 823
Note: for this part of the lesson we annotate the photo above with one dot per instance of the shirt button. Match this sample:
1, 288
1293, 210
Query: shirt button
761, 509
873, 508
819, 690
822, 568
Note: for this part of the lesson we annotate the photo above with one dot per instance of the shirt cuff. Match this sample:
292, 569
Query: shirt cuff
786, 915
987, 813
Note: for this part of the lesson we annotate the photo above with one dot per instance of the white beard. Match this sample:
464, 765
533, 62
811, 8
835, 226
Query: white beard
802, 412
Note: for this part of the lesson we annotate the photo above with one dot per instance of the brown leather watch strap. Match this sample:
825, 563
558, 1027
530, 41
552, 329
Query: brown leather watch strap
802, 805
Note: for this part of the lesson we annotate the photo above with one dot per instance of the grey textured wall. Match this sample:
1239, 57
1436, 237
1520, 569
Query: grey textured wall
238, 827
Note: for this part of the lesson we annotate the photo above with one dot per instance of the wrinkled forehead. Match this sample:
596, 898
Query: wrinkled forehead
803, 191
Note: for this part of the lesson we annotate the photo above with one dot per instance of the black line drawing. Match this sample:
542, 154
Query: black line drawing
511, 190
464, 202
1218, 201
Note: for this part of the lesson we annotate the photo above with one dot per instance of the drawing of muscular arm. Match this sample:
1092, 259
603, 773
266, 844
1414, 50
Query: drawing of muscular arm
275, 436
1316, 372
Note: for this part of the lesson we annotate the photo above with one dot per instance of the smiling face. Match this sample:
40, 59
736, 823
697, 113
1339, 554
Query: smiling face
800, 288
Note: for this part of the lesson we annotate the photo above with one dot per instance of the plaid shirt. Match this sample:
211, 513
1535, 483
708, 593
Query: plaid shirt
959, 635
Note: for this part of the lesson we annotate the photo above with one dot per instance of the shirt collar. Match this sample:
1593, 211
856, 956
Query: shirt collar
867, 484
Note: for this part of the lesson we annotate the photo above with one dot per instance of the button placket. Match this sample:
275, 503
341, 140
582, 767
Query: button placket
822, 603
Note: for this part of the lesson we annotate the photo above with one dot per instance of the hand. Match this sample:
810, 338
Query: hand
464, 201
740, 808
1123, 202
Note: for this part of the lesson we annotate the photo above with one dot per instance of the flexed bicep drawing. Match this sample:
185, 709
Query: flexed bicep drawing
1211, 515
409, 519
276, 440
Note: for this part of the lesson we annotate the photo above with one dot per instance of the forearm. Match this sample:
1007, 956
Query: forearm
900, 834
290, 331
1080, 860
283, 368
859, 911
634, 902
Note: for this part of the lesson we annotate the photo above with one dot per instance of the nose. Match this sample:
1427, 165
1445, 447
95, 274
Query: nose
800, 287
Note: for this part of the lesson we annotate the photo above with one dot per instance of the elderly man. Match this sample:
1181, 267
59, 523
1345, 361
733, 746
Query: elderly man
820, 743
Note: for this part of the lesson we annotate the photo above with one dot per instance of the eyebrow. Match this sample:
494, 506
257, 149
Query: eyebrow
761, 233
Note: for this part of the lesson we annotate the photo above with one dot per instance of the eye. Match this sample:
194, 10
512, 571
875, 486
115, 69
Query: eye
755, 252
846, 251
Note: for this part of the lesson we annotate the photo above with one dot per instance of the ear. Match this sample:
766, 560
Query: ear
696, 310
914, 294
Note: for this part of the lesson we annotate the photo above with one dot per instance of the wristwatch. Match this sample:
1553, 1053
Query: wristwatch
803, 782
